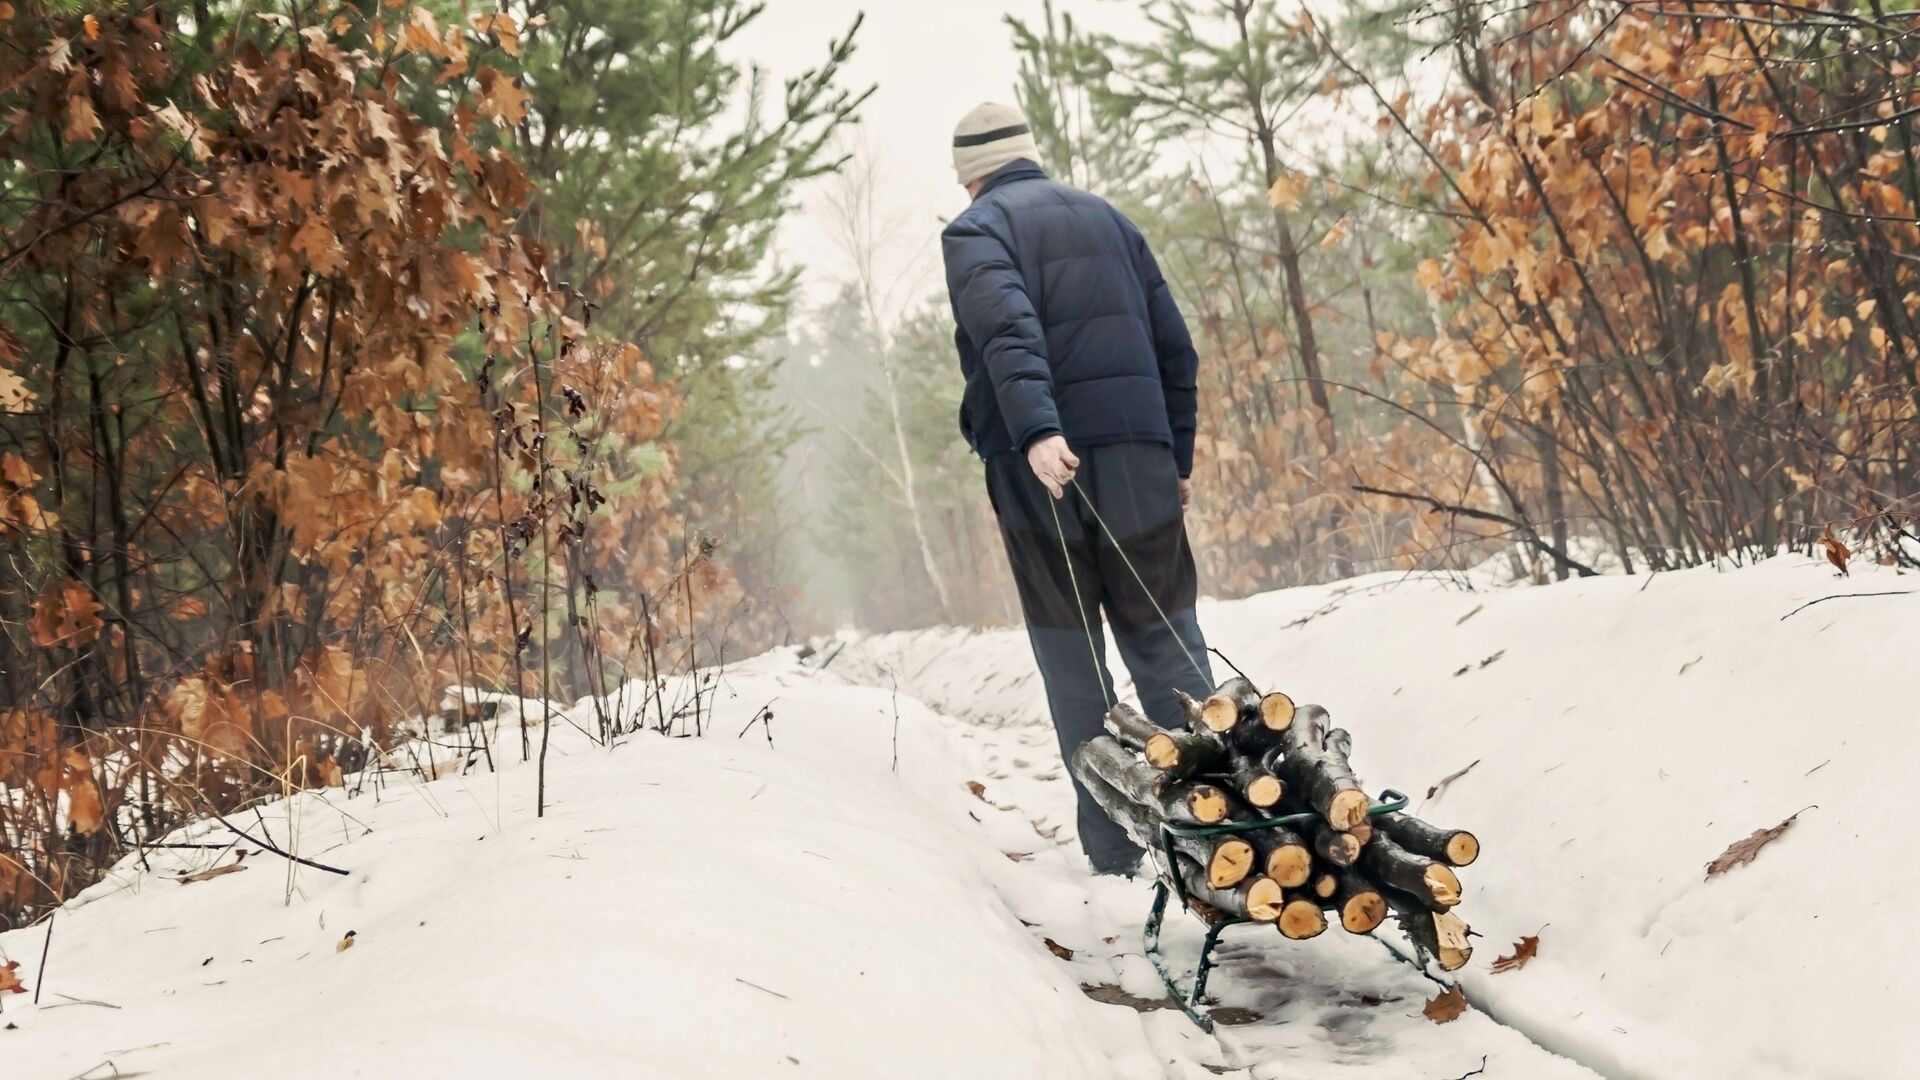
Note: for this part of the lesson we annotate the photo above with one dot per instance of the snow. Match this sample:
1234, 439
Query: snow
722, 907
1630, 729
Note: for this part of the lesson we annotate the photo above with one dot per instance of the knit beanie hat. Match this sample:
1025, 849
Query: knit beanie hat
991, 136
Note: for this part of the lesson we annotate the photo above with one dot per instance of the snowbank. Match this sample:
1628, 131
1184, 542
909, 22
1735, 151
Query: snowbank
688, 908
1618, 733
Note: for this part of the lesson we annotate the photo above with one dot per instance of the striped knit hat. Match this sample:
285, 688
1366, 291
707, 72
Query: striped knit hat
988, 137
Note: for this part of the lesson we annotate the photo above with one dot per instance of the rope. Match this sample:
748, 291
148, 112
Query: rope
1093, 651
1197, 669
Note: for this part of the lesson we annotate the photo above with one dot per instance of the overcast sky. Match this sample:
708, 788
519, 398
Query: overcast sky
932, 61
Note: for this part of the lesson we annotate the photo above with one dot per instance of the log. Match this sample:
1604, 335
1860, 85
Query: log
1130, 726
1361, 905
1258, 899
1276, 712
1261, 788
1284, 856
1326, 884
1228, 860
1234, 701
1181, 754
1301, 918
1186, 804
1432, 883
1319, 776
1233, 713
1195, 714
1455, 847
1337, 847
1442, 936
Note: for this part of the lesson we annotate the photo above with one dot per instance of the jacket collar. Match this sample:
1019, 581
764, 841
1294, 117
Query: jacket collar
1017, 169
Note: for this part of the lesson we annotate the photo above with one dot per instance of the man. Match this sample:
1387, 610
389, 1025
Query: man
1080, 396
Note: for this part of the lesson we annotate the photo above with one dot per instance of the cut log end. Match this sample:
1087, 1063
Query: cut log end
1162, 752
1325, 886
1363, 912
1363, 832
1442, 884
1290, 865
1266, 900
1450, 931
1301, 919
1231, 863
1348, 808
1462, 848
1276, 711
1265, 791
1220, 712
1208, 804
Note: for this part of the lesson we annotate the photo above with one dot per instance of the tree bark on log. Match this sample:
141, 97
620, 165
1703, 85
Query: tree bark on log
1185, 804
1228, 860
1319, 776
1130, 726
1431, 883
1192, 709
1259, 787
1455, 847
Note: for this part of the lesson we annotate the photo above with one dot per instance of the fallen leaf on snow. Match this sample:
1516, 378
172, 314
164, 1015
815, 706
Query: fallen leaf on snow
9, 980
1058, 949
1447, 1005
1523, 951
979, 789
1743, 852
345, 942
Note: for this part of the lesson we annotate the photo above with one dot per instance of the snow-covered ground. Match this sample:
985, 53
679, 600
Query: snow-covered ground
841, 904
1619, 733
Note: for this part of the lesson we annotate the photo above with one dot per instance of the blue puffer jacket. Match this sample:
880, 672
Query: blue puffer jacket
1065, 323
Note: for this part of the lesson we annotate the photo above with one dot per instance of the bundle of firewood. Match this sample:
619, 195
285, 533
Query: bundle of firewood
1246, 757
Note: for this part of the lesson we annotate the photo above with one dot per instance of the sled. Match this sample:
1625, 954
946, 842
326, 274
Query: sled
1169, 884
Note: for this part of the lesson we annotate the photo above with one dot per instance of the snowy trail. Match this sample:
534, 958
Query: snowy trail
1336, 1007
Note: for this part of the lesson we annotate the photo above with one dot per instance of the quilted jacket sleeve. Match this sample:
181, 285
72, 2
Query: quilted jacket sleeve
991, 304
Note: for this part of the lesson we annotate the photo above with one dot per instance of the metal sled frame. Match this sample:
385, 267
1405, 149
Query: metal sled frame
1189, 1002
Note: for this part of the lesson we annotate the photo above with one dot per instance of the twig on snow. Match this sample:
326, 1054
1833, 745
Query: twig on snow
283, 854
1842, 596
764, 717
40, 979
762, 989
1476, 1072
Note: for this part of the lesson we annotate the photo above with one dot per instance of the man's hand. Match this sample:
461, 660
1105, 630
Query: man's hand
1186, 492
1053, 463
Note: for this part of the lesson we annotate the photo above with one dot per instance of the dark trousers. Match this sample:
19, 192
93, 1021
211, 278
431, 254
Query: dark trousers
1069, 571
